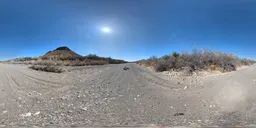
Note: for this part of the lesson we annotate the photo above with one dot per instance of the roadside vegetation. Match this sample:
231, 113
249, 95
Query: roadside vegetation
197, 60
47, 68
90, 59
63, 56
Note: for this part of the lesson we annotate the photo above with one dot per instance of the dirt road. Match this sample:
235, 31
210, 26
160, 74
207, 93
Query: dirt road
110, 96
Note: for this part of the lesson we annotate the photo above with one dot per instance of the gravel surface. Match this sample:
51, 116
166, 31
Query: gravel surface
110, 96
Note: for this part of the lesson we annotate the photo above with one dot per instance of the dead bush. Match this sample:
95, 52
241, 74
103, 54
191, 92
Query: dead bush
197, 60
47, 68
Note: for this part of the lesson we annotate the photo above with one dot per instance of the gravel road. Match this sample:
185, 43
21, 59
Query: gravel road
110, 96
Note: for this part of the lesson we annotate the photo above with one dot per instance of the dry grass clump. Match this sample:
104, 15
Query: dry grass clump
197, 60
47, 68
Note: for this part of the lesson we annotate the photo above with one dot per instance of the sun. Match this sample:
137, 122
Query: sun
106, 30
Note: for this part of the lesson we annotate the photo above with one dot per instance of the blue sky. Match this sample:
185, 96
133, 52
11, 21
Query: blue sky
140, 28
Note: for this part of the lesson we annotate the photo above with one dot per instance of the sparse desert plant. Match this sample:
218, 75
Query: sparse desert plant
175, 54
47, 68
197, 60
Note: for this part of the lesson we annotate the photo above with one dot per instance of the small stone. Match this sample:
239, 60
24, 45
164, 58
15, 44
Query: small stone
84, 108
37, 113
179, 114
185, 87
4, 112
26, 114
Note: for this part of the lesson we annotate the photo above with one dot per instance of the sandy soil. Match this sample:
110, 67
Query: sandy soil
110, 96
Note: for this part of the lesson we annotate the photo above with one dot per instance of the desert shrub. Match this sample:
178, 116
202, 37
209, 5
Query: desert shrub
47, 68
97, 62
44, 62
114, 61
197, 60
26, 59
162, 65
57, 60
45, 58
175, 54
93, 57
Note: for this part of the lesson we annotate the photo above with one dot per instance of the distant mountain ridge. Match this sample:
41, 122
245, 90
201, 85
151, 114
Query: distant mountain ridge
66, 57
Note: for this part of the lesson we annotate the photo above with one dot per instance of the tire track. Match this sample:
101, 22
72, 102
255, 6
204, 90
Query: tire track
14, 81
44, 82
14, 88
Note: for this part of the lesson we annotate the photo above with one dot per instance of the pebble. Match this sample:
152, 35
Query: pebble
4, 112
26, 114
37, 113
84, 108
185, 87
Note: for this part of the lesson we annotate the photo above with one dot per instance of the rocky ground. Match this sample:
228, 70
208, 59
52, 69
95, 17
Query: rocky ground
110, 96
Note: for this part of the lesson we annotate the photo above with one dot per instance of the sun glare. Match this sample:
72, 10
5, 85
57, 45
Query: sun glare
106, 30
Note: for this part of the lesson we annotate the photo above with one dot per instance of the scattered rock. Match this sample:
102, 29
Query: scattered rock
4, 112
179, 114
37, 113
26, 114
185, 87
84, 108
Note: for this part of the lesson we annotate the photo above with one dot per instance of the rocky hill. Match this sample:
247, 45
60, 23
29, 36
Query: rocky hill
61, 52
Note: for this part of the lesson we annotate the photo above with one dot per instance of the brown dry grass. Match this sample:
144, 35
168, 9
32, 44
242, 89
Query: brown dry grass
215, 68
47, 68
198, 60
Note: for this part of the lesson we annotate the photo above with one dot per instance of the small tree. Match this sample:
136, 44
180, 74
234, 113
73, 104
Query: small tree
175, 54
